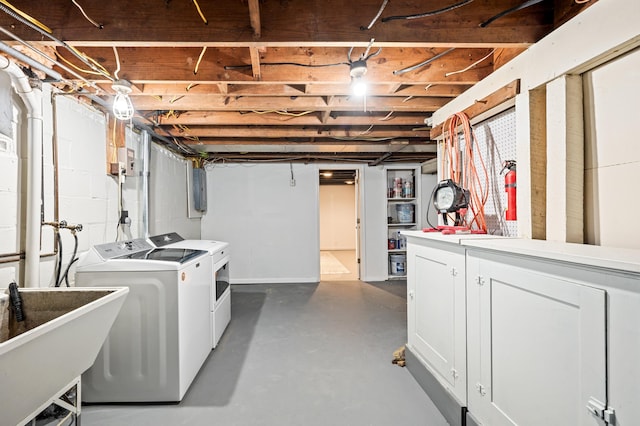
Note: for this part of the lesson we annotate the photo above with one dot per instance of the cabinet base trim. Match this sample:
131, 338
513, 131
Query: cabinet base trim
449, 406
471, 421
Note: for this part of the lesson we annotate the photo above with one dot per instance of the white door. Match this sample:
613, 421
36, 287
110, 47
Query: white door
536, 346
436, 314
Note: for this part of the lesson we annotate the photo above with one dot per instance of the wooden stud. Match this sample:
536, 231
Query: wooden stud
485, 104
255, 63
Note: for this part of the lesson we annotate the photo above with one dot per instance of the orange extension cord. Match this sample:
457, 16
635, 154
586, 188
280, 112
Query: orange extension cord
459, 165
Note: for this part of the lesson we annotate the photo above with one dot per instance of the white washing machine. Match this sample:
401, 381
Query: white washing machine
219, 255
161, 336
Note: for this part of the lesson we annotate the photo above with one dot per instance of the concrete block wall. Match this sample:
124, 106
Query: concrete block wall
87, 195
168, 203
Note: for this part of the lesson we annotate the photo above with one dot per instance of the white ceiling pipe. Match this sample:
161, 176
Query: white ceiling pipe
32, 99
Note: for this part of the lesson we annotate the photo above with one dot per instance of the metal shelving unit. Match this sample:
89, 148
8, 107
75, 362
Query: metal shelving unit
402, 214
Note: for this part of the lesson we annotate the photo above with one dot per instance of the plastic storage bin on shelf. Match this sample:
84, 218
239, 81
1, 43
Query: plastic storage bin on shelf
405, 213
398, 264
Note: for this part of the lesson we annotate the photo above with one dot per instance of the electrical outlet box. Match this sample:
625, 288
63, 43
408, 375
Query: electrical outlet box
199, 181
127, 156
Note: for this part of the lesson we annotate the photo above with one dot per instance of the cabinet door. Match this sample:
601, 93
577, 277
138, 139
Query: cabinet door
436, 326
536, 346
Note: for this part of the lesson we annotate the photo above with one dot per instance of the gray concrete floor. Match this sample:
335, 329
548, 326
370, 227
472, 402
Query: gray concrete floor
299, 354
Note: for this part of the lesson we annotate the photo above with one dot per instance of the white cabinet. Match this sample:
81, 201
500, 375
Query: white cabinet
436, 311
505, 332
402, 214
536, 344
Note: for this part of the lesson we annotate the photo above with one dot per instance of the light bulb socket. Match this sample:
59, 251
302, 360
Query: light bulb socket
122, 86
357, 69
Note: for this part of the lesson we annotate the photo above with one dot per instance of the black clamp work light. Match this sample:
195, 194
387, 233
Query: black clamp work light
449, 197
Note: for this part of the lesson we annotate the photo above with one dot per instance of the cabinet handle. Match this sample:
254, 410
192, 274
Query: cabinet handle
481, 389
411, 295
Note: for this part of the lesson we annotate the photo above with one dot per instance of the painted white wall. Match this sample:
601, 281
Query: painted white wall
272, 226
337, 217
374, 218
168, 208
612, 152
428, 183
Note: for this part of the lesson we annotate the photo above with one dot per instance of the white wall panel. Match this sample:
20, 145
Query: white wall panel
374, 216
429, 181
612, 152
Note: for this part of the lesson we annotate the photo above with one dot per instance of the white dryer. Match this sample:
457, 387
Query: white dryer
161, 336
219, 255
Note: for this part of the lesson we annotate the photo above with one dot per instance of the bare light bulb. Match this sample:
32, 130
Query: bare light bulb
359, 87
122, 106
357, 71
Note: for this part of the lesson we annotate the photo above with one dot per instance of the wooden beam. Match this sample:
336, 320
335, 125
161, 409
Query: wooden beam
223, 88
321, 21
308, 157
280, 103
313, 89
336, 119
277, 65
303, 141
254, 17
485, 104
269, 132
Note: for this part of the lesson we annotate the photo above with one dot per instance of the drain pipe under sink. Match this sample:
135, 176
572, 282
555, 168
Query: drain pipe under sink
32, 98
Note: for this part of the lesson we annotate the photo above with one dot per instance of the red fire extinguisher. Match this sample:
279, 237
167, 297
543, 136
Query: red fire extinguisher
510, 188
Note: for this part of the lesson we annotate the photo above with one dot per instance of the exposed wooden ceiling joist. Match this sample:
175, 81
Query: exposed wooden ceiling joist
272, 78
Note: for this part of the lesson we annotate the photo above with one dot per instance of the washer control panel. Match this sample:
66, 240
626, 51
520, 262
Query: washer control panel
122, 248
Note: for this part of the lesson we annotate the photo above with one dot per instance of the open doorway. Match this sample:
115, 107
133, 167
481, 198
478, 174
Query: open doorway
339, 227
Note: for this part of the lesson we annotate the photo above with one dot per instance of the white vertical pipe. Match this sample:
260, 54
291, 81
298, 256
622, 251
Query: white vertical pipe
146, 157
32, 99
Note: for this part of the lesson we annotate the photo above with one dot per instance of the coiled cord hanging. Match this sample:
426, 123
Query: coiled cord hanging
460, 163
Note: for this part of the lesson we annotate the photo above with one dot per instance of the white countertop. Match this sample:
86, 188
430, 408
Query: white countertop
622, 259
604, 257
448, 238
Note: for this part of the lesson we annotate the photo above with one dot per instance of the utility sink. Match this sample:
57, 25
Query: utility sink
63, 331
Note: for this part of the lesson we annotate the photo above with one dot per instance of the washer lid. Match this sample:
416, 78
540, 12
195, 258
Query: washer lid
178, 255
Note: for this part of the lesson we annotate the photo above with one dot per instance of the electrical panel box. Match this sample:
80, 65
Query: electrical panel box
127, 156
199, 189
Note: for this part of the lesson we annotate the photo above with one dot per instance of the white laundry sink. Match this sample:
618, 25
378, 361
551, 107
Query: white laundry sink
63, 330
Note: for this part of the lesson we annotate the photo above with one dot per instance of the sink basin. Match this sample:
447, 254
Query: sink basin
63, 331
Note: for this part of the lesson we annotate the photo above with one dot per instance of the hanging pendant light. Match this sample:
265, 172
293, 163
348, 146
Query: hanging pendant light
357, 71
122, 106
